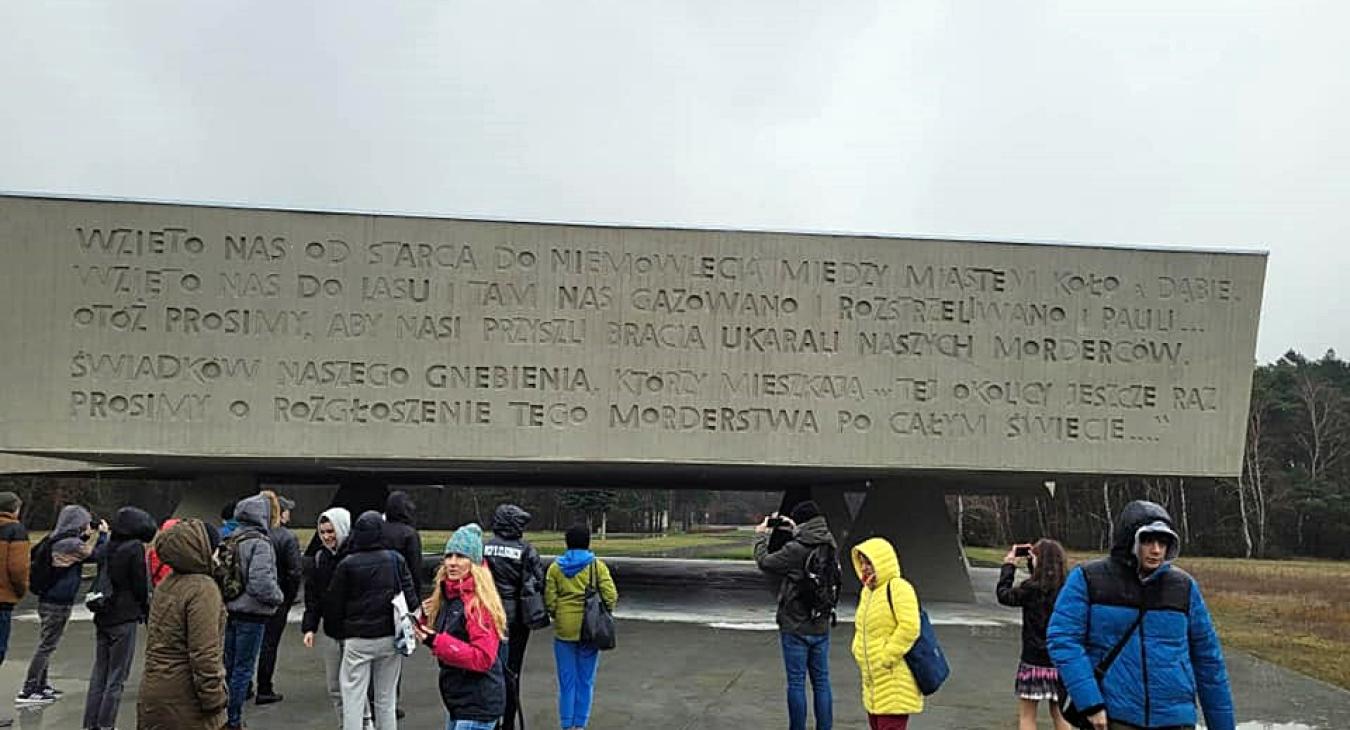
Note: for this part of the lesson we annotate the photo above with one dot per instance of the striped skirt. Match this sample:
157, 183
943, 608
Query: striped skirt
1037, 683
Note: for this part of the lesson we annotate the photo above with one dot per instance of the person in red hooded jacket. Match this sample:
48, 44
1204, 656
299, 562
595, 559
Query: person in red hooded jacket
465, 628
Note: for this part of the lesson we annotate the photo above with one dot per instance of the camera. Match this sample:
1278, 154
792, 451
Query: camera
776, 522
1022, 551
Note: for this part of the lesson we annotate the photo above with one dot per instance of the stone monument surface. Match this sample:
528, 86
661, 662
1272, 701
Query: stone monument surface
137, 331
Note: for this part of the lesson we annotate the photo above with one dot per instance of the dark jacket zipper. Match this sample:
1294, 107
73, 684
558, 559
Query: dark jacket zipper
1143, 657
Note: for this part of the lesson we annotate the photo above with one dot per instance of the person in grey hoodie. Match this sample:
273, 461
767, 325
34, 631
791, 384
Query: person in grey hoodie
74, 541
804, 634
248, 613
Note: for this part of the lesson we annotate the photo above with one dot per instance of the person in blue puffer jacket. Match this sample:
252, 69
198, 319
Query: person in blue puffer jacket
1172, 654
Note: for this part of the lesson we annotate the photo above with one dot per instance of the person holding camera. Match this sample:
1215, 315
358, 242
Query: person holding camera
1132, 638
804, 629
75, 540
1037, 678
116, 620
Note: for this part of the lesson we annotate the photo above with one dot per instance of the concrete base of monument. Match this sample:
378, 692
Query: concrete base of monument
689, 656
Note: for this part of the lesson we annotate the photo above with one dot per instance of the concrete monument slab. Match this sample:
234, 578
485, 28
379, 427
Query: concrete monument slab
134, 331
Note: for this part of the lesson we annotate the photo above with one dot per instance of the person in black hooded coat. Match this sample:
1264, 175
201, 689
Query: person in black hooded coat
400, 535
115, 624
513, 562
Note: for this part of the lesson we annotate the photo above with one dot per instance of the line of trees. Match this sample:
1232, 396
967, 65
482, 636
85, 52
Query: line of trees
1292, 499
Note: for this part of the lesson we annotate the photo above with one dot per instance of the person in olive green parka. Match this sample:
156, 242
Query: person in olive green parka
184, 683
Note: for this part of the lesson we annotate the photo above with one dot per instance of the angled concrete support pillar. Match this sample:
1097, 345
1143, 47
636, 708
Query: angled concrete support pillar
208, 493
914, 519
835, 508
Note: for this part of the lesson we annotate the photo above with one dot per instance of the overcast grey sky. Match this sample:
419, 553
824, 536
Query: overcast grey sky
1215, 124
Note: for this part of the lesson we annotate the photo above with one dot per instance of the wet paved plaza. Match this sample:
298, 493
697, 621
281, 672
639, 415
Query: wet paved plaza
689, 657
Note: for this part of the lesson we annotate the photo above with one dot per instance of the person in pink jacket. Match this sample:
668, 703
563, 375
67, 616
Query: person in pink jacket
465, 629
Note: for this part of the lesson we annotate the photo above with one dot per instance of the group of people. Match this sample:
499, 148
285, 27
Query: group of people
1125, 641
215, 601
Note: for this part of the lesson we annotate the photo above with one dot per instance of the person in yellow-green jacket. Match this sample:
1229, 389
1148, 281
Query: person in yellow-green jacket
565, 598
886, 626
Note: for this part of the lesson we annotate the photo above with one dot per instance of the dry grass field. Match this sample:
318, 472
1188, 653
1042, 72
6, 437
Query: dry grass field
1295, 613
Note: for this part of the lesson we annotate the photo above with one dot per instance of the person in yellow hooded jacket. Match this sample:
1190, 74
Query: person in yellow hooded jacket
886, 626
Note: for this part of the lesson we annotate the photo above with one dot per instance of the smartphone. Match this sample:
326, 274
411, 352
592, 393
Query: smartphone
1022, 551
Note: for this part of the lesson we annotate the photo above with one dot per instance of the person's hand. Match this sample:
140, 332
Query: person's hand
763, 526
1011, 557
422, 631
1098, 720
426, 607
788, 523
103, 526
309, 639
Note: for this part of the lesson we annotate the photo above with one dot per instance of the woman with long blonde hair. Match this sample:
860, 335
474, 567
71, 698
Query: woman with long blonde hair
465, 628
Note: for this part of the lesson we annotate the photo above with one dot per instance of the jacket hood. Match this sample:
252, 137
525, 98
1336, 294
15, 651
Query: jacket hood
574, 561
400, 508
73, 521
73, 518
185, 547
882, 557
814, 531
1137, 515
342, 524
133, 523
368, 532
509, 521
255, 511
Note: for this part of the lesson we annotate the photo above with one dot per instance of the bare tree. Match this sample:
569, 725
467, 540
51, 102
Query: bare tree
1326, 436
1106, 514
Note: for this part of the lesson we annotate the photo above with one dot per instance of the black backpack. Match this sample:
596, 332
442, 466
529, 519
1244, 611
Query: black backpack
821, 580
41, 573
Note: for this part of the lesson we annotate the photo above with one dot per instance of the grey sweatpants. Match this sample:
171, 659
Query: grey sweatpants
53, 617
114, 652
330, 650
369, 662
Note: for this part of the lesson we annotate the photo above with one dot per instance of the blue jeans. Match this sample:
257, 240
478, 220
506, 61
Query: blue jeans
577, 664
5, 615
243, 639
803, 655
453, 724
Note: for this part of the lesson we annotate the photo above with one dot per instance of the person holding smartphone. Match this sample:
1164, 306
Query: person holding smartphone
465, 628
1037, 677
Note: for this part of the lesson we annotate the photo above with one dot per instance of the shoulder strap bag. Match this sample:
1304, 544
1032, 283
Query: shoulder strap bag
1072, 714
597, 623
